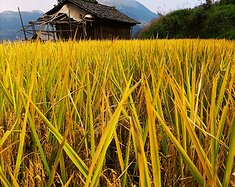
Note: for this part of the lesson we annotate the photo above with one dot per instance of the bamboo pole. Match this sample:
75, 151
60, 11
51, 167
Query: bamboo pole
22, 24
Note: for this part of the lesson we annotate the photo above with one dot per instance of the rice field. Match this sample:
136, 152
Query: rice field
117, 113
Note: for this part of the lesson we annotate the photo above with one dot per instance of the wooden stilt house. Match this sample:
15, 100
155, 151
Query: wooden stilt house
91, 19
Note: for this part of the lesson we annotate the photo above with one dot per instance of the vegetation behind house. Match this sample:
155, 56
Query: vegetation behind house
206, 21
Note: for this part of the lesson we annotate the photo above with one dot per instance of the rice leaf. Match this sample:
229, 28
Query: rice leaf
189, 163
153, 142
143, 165
231, 155
106, 138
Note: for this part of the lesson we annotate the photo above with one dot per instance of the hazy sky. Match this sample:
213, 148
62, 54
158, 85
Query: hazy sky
154, 5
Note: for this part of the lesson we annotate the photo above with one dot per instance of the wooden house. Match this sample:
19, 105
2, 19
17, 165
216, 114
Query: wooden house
91, 20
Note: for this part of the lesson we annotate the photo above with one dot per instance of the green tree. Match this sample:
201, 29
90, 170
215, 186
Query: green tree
92, 1
227, 2
209, 2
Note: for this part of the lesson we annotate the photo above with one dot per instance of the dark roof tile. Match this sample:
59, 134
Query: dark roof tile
99, 10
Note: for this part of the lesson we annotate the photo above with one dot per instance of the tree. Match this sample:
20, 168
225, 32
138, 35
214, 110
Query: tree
92, 1
227, 2
209, 2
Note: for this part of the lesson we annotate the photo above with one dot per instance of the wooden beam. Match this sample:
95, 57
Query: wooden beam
101, 32
22, 24
53, 32
70, 28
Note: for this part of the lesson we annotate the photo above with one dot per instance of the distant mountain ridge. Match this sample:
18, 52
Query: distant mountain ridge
10, 23
10, 20
11, 13
133, 9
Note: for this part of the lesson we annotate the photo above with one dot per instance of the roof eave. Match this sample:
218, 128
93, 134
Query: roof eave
63, 2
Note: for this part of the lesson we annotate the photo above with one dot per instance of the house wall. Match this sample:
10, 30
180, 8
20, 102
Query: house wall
64, 32
111, 32
107, 29
96, 29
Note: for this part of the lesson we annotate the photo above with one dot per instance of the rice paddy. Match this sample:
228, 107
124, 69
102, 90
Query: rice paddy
117, 113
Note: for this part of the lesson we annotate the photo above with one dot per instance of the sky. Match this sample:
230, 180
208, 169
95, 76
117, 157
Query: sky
162, 6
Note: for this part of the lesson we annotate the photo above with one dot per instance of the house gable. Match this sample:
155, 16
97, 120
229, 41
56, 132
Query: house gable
73, 12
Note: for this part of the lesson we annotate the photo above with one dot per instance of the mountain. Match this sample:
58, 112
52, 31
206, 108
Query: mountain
10, 23
133, 9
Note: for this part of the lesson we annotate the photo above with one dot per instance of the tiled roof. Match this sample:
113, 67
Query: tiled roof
99, 10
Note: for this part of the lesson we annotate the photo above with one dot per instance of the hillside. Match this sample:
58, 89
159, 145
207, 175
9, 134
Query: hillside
133, 9
207, 21
10, 23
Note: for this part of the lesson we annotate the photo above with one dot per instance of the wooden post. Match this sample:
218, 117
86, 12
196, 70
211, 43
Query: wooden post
48, 32
70, 28
22, 24
84, 30
34, 31
61, 32
101, 32
53, 31
131, 30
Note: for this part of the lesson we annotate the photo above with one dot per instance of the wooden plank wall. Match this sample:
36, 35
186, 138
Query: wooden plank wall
95, 31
